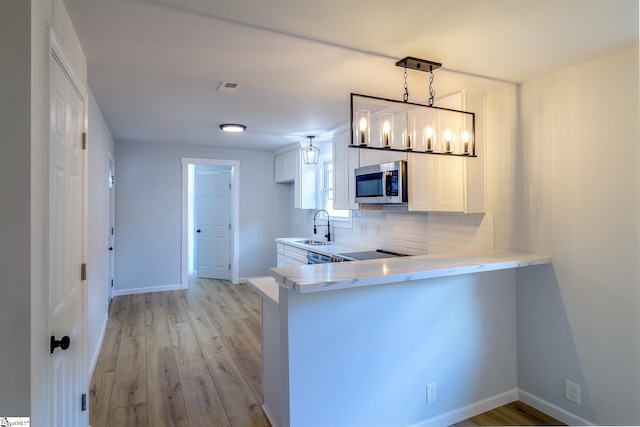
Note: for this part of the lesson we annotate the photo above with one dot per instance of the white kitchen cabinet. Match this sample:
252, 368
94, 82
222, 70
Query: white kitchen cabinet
345, 161
447, 183
290, 168
305, 184
294, 256
285, 165
280, 255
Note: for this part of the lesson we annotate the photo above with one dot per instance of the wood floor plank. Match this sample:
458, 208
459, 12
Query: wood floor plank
206, 332
189, 358
108, 357
135, 323
174, 307
154, 300
158, 334
240, 404
99, 395
129, 416
204, 407
252, 331
249, 362
165, 400
130, 380
118, 307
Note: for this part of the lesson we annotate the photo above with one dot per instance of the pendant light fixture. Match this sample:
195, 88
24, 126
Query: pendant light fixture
386, 124
310, 153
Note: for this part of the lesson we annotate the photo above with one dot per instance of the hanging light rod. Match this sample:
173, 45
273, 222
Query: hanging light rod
418, 64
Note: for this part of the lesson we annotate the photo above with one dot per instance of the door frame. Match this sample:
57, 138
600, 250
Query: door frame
54, 49
111, 221
235, 221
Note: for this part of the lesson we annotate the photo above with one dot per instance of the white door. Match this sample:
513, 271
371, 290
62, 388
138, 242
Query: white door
213, 226
66, 374
111, 229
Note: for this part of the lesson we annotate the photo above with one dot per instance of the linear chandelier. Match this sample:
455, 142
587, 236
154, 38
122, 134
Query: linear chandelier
385, 124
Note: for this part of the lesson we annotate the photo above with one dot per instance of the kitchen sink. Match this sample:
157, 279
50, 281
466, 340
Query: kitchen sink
312, 242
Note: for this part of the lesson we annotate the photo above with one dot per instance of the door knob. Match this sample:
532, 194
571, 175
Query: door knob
110, 248
63, 343
198, 230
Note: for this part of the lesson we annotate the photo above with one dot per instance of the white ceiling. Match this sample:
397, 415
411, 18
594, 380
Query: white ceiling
154, 66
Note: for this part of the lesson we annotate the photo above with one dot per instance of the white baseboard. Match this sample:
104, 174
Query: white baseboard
457, 415
144, 290
552, 410
96, 351
269, 416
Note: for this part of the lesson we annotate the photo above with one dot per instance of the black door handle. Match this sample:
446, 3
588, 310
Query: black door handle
110, 248
198, 230
63, 343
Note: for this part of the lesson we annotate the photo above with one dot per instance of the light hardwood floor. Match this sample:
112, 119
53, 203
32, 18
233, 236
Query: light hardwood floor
192, 358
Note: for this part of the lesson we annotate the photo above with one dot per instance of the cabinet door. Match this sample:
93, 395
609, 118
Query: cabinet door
345, 161
285, 166
436, 183
305, 184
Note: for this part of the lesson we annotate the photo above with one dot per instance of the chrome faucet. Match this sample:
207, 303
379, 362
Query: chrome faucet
328, 225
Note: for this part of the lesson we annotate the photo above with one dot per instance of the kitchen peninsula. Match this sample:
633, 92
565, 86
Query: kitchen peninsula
356, 343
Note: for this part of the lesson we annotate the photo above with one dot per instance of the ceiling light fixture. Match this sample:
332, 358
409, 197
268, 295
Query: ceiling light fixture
233, 127
418, 128
310, 153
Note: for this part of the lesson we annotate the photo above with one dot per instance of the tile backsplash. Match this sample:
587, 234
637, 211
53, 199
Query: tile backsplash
418, 233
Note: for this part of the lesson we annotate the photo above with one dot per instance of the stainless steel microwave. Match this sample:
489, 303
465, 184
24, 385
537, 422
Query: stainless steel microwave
385, 183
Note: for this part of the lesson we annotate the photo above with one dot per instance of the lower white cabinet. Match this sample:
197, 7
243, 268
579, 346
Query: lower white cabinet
290, 255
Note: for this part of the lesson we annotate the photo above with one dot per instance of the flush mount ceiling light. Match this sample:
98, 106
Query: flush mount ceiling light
233, 127
386, 124
310, 154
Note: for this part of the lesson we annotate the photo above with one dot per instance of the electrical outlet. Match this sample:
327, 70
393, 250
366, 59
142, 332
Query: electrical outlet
432, 392
572, 391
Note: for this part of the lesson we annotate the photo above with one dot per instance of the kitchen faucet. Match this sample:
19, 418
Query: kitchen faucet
315, 231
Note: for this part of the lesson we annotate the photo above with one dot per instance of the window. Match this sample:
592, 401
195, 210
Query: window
326, 192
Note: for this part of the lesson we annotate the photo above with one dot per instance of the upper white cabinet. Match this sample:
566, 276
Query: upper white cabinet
285, 167
451, 184
345, 161
290, 168
305, 184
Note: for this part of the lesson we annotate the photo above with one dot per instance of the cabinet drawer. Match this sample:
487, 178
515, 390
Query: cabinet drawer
297, 254
280, 248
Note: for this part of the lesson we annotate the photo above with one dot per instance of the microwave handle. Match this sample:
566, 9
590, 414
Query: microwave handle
387, 183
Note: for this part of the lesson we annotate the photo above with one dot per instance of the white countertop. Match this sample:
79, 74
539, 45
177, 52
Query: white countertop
343, 275
331, 248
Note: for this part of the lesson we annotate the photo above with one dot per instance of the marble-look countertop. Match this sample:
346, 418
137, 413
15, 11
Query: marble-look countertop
331, 248
304, 279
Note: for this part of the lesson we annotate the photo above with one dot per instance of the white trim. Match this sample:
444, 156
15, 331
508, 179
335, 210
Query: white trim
146, 289
96, 354
552, 410
269, 416
235, 220
460, 414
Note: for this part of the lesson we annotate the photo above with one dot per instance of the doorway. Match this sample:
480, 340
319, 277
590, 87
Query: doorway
209, 205
111, 230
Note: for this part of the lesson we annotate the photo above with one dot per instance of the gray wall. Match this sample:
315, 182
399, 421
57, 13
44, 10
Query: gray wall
149, 209
565, 178
99, 148
15, 209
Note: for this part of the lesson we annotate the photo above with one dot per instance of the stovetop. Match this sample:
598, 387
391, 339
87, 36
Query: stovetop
361, 256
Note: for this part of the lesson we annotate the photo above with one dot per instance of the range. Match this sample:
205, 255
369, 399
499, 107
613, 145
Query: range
314, 258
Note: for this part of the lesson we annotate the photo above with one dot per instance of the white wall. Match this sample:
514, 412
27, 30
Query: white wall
15, 108
372, 351
100, 147
566, 173
24, 121
148, 212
